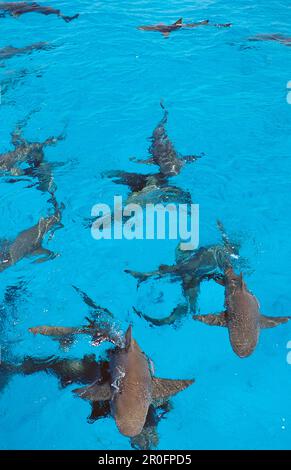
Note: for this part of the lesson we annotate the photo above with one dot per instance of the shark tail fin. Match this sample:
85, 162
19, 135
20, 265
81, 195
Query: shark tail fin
67, 19
179, 22
95, 392
231, 247
163, 388
98, 311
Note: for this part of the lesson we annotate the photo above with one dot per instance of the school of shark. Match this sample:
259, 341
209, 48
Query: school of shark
123, 385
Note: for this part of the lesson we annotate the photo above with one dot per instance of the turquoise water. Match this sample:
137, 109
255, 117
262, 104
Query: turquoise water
102, 82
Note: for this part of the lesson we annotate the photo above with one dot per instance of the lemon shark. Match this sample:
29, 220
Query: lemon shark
241, 316
190, 268
17, 9
166, 29
29, 241
132, 388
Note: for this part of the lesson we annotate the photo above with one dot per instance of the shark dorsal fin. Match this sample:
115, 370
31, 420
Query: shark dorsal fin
128, 337
179, 22
241, 281
163, 388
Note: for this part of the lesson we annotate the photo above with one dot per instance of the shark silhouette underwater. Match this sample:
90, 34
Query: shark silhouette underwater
155, 187
9, 51
190, 268
285, 40
27, 159
29, 241
241, 316
17, 9
130, 390
165, 29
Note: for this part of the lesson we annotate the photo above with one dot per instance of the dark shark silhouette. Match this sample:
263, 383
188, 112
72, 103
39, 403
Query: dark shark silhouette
17, 9
9, 51
155, 188
29, 241
167, 29
191, 268
132, 389
242, 314
27, 160
162, 151
286, 40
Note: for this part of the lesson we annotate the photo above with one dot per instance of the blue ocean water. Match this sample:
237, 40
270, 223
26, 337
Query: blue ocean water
102, 82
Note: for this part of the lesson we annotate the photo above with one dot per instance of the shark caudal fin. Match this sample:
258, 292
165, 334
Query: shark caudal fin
231, 247
163, 388
95, 392
67, 19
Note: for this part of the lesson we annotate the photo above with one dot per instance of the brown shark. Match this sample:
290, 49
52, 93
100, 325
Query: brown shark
29, 241
272, 37
242, 314
27, 159
162, 151
167, 29
9, 51
132, 389
191, 267
83, 370
99, 326
16, 9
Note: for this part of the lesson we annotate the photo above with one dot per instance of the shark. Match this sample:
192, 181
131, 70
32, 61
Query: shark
242, 316
165, 29
81, 371
286, 40
190, 268
132, 388
17, 9
131, 391
29, 241
27, 159
9, 51
163, 153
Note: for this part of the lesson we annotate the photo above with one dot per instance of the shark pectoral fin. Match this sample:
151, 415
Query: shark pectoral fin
190, 158
163, 388
219, 319
44, 254
95, 392
271, 322
148, 161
